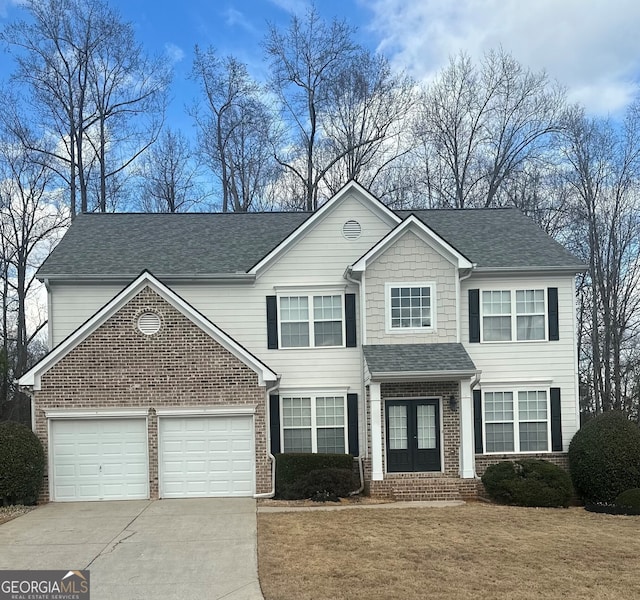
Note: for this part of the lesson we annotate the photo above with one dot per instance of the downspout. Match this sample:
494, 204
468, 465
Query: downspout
359, 458
272, 458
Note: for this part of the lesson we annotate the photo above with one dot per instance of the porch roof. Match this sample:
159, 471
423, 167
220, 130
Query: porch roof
418, 361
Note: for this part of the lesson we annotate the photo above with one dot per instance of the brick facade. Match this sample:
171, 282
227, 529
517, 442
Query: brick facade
117, 366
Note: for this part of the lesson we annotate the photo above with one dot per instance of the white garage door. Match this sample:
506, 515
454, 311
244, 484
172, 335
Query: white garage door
206, 456
99, 459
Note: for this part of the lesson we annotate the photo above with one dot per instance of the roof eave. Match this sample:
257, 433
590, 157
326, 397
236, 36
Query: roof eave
185, 277
557, 269
423, 375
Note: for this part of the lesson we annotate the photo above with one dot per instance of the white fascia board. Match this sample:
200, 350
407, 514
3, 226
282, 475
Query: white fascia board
421, 375
32, 377
552, 270
377, 207
96, 413
412, 223
207, 411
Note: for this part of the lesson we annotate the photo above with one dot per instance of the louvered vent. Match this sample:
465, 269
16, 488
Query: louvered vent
149, 323
351, 230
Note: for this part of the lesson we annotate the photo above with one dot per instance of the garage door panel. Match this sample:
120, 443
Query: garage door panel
99, 459
197, 456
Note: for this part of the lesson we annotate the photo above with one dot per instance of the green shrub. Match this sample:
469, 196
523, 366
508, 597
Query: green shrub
604, 458
322, 485
528, 482
293, 466
630, 499
21, 464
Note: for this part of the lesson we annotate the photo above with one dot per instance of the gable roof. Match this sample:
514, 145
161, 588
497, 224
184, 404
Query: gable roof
412, 223
32, 377
235, 245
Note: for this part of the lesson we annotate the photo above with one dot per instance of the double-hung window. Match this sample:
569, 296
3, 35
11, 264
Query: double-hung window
311, 321
314, 424
516, 421
410, 306
513, 315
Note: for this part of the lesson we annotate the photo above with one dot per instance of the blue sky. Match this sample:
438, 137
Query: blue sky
590, 46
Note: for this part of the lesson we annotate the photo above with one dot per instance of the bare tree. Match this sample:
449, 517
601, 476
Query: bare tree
484, 124
366, 120
304, 61
87, 81
30, 222
169, 175
604, 174
236, 130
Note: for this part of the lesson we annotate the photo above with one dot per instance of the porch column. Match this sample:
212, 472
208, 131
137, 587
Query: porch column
467, 444
376, 431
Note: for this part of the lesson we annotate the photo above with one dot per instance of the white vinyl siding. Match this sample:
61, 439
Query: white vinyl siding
314, 424
517, 421
553, 364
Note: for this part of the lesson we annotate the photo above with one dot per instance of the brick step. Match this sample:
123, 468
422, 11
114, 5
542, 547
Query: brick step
424, 488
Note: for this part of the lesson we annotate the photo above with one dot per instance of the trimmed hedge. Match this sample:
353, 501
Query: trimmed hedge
293, 467
604, 458
630, 500
322, 485
528, 482
21, 464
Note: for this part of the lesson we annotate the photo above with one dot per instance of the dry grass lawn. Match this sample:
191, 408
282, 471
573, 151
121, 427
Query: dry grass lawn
474, 552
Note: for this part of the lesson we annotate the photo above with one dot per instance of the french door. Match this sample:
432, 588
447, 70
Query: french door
413, 435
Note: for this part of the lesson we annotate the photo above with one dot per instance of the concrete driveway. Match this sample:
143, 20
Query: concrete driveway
141, 549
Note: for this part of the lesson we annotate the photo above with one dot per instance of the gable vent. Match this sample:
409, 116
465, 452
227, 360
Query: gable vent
351, 230
149, 323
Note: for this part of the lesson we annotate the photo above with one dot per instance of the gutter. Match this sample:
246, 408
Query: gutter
567, 270
438, 375
272, 458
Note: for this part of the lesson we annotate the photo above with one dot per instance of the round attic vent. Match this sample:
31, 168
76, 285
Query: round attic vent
149, 323
351, 230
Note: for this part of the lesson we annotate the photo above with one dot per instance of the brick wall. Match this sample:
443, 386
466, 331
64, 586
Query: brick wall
483, 461
118, 366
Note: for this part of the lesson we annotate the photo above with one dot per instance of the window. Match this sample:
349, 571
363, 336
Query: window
519, 315
311, 321
314, 424
521, 428
410, 306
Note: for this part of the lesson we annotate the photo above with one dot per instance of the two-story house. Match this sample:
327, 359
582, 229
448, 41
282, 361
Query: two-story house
188, 349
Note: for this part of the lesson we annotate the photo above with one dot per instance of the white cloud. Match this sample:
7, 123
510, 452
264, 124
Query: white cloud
590, 47
174, 53
293, 7
5, 5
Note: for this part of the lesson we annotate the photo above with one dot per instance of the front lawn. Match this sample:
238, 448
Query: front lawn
475, 552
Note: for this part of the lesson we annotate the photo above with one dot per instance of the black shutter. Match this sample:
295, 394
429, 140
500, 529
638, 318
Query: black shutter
552, 301
272, 322
350, 319
274, 422
352, 422
474, 315
477, 420
556, 420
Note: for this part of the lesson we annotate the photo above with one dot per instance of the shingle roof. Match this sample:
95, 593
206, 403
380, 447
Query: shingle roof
497, 237
168, 244
217, 243
417, 358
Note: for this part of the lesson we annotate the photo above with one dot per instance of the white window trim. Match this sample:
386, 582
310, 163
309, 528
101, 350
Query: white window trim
387, 307
314, 428
514, 317
516, 419
310, 294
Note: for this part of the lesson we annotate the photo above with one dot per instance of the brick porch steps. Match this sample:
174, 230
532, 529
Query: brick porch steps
401, 488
